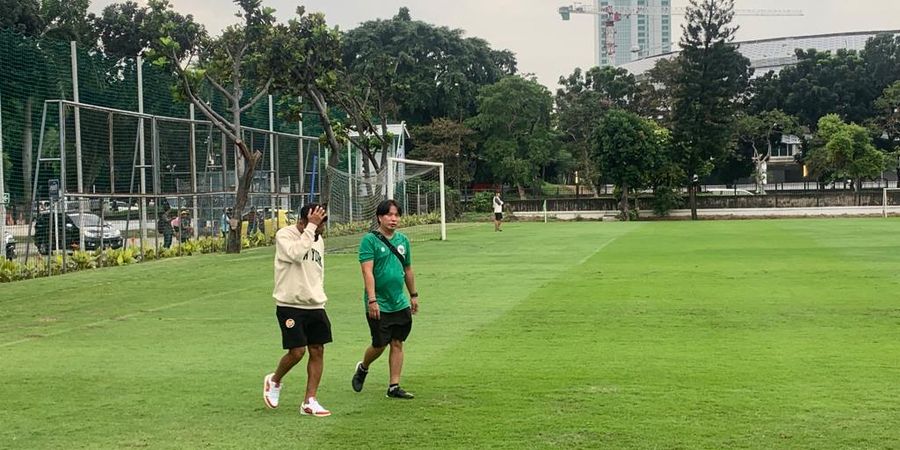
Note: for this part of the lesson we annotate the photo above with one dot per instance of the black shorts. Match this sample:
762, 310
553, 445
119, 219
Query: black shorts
391, 326
302, 327
498, 216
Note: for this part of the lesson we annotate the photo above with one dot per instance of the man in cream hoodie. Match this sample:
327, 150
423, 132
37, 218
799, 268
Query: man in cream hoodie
300, 306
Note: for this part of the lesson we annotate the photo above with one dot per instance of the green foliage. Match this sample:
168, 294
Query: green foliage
629, 150
580, 104
887, 119
80, 260
711, 76
514, 117
755, 138
423, 70
83, 260
482, 202
451, 143
128, 29
845, 82
844, 151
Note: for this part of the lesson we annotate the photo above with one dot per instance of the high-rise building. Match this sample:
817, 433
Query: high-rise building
636, 35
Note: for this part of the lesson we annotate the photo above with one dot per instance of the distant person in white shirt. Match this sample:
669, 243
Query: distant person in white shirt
498, 211
300, 306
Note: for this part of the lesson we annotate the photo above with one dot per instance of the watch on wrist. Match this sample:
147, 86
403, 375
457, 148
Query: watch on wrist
413, 295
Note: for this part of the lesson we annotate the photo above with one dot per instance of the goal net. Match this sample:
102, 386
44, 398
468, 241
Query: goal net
890, 201
353, 198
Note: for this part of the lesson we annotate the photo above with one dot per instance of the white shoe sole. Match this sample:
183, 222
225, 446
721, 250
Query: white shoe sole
303, 412
266, 381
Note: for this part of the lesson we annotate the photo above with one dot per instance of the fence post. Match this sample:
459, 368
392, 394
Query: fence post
141, 149
79, 173
272, 173
193, 165
2, 181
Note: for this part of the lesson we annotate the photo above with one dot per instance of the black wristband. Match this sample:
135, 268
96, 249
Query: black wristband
373, 301
413, 294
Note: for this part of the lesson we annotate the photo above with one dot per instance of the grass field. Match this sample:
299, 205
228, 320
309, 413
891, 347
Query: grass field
687, 335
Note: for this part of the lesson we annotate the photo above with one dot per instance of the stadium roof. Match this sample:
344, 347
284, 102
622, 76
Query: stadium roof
776, 53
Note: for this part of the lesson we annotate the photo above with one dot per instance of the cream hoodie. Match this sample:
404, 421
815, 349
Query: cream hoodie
299, 268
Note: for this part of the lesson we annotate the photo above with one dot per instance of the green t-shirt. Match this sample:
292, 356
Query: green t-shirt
390, 279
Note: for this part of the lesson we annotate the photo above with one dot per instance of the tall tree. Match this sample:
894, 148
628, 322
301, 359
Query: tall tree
887, 119
451, 143
655, 95
409, 69
127, 29
844, 151
583, 99
311, 51
758, 135
514, 119
629, 150
820, 83
711, 77
24, 16
240, 56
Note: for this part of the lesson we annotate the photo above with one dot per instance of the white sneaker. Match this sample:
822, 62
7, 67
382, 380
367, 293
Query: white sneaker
313, 408
271, 391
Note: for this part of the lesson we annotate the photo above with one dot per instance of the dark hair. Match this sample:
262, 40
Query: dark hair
385, 207
304, 211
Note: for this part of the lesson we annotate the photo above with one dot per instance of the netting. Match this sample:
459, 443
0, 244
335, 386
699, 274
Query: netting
125, 169
355, 196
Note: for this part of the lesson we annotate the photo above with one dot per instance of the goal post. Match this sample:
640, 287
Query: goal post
890, 200
404, 184
353, 198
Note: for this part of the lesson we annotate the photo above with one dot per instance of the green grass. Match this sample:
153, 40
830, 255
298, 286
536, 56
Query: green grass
673, 334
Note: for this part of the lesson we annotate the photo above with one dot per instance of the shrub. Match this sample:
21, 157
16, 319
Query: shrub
483, 201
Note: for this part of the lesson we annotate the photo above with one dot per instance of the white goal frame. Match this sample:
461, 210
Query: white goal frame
390, 185
884, 200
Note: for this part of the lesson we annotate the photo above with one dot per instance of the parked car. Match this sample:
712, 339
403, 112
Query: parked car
9, 245
97, 233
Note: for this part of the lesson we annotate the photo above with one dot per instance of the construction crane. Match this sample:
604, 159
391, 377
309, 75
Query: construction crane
610, 15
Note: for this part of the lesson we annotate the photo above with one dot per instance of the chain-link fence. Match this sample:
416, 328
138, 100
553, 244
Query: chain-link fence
97, 153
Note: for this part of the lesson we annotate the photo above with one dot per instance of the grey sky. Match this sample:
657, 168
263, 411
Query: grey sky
543, 43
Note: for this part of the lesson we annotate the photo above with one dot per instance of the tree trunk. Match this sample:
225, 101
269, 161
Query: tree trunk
521, 191
623, 205
322, 107
245, 182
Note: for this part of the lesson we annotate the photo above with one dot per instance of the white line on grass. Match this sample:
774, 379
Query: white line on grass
125, 317
586, 258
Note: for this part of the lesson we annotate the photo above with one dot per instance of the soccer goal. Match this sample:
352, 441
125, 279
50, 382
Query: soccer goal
418, 186
890, 201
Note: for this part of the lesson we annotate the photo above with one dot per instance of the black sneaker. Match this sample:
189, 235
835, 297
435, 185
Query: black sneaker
359, 377
398, 392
